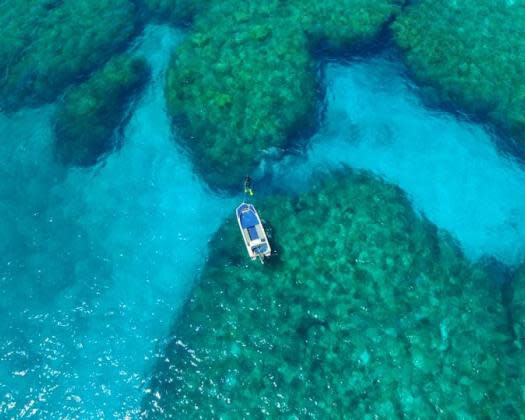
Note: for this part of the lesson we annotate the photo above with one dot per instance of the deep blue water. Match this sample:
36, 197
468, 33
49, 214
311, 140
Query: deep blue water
95, 262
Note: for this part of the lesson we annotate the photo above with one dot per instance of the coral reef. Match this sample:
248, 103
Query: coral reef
471, 54
517, 313
89, 113
175, 11
47, 45
364, 310
244, 81
339, 25
515, 301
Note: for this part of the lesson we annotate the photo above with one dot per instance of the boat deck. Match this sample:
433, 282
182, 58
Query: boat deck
253, 232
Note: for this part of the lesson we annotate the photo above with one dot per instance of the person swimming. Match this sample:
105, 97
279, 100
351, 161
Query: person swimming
248, 186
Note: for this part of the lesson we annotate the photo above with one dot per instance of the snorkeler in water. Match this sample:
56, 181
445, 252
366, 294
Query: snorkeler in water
248, 186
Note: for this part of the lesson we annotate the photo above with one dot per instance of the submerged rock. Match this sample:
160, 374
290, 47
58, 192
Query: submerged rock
365, 309
244, 80
472, 53
47, 45
90, 112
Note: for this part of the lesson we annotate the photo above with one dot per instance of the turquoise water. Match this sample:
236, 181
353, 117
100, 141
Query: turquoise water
96, 261
457, 173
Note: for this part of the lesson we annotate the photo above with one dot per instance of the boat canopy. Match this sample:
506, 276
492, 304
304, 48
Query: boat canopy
249, 221
248, 217
253, 232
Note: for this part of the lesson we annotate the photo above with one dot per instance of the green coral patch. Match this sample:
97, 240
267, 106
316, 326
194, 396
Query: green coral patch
237, 94
517, 306
364, 310
89, 113
47, 45
243, 81
175, 11
472, 53
342, 24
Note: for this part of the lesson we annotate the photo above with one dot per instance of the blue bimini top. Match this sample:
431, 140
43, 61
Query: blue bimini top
253, 233
248, 218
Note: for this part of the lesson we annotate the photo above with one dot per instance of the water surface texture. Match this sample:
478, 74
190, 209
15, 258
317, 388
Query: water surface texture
95, 261
453, 170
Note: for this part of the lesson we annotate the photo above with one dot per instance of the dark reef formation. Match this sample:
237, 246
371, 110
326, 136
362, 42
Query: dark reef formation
178, 12
244, 80
47, 45
517, 316
515, 301
243, 83
365, 310
89, 113
472, 54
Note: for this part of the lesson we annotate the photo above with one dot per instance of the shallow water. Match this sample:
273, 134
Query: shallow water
96, 261
451, 169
